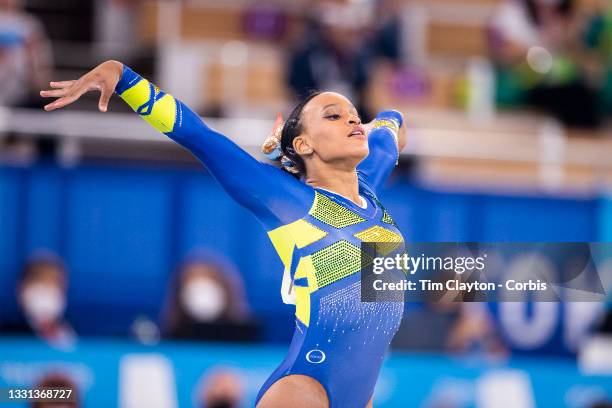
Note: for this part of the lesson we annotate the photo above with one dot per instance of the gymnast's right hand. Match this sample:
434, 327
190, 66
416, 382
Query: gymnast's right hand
103, 78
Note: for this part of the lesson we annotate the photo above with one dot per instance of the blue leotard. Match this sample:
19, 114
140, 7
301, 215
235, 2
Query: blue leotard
339, 340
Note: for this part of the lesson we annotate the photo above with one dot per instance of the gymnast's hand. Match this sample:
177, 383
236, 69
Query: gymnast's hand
103, 78
401, 136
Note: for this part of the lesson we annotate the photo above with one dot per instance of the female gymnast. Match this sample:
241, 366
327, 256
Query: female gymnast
316, 214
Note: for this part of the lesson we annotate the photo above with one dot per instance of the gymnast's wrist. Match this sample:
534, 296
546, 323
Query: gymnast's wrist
391, 115
390, 120
127, 80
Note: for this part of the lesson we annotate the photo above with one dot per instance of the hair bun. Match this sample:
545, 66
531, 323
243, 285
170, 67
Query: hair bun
271, 147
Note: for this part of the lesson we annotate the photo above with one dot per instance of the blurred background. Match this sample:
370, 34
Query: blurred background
129, 275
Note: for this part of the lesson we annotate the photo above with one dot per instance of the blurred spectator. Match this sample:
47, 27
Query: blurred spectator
114, 27
474, 329
54, 381
331, 55
25, 56
533, 43
604, 323
412, 335
207, 301
598, 36
531, 328
265, 21
220, 388
42, 299
17, 150
605, 326
386, 39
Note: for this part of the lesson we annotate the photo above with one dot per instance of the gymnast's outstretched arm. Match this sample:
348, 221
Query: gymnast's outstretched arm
274, 196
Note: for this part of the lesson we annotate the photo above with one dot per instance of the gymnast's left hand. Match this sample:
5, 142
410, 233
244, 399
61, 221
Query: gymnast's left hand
103, 78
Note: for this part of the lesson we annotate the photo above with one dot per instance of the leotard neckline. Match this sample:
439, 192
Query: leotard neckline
364, 202
368, 211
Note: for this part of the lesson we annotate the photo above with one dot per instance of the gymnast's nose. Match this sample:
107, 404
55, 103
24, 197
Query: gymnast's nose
354, 120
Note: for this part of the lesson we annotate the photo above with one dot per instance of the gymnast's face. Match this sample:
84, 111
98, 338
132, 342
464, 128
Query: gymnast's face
332, 131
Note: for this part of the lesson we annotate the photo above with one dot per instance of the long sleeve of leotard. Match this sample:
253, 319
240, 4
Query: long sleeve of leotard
382, 141
274, 196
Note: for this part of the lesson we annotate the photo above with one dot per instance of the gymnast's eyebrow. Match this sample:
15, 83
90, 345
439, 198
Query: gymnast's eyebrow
353, 110
329, 106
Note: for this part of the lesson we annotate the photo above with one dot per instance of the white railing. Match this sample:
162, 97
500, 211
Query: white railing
542, 144
483, 144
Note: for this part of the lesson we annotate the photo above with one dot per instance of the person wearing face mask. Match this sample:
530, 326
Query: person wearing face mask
207, 301
41, 294
220, 387
62, 381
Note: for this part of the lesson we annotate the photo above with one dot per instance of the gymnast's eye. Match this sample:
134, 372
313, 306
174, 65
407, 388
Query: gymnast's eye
333, 117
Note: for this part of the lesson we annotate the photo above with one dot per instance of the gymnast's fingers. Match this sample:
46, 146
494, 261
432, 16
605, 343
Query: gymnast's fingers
65, 100
54, 93
62, 84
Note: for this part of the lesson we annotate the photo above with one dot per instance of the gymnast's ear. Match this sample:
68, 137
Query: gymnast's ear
302, 146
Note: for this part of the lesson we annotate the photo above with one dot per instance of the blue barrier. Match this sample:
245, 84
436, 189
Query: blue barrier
606, 220
101, 370
122, 230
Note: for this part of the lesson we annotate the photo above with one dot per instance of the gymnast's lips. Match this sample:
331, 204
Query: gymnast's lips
358, 132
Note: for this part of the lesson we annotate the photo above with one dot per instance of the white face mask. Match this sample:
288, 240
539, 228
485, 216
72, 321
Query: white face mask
43, 302
203, 299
